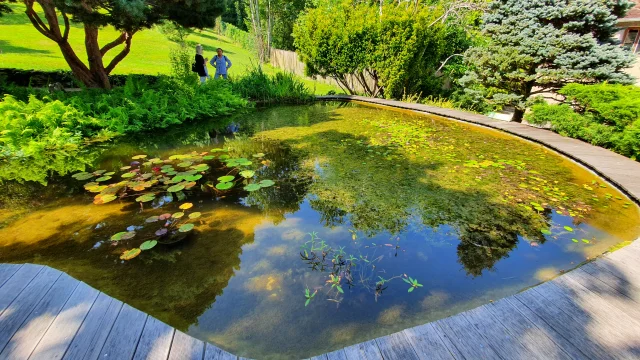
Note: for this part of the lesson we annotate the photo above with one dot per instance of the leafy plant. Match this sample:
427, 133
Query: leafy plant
309, 296
413, 282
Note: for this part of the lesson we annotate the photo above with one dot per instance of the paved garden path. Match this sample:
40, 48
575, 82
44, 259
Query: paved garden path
592, 312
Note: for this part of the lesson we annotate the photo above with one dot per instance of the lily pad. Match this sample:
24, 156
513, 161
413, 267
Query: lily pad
96, 189
193, 177
186, 206
176, 188
128, 175
130, 254
118, 236
177, 215
99, 172
125, 168
185, 164
226, 178
148, 245
82, 176
208, 157
186, 228
545, 232
152, 219
103, 199
194, 215
146, 198
585, 241
161, 232
164, 216
247, 174
267, 183
224, 185
252, 187
258, 155
104, 178
568, 228
138, 157
575, 240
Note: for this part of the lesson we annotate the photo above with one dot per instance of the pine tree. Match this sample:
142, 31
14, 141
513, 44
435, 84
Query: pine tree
538, 46
127, 16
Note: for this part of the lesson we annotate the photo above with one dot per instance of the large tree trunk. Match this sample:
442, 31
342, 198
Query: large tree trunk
518, 115
95, 75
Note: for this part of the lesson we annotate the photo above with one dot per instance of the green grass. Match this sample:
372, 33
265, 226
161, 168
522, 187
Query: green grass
23, 47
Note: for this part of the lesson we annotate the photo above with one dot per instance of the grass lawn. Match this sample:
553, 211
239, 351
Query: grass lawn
23, 47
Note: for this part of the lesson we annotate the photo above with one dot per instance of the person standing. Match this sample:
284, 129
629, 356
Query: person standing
201, 64
221, 63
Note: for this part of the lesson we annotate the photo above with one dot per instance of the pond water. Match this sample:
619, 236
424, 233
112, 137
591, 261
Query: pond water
388, 219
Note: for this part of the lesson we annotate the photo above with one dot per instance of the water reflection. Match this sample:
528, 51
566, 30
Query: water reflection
471, 215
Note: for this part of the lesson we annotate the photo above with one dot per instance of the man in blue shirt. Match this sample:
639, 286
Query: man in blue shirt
221, 63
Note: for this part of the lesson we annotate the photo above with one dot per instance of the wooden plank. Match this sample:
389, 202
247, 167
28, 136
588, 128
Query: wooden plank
621, 272
623, 286
569, 325
497, 335
428, 344
533, 338
337, 355
125, 333
319, 357
95, 328
367, 350
186, 347
35, 326
465, 337
215, 353
58, 337
620, 297
16, 284
23, 305
7, 271
396, 346
155, 341
610, 326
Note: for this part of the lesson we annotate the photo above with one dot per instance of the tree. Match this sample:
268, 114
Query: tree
389, 49
537, 46
128, 17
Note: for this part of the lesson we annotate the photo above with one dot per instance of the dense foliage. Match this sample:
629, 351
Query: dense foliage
53, 19
606, 115
538, 46
280, 88
390, 50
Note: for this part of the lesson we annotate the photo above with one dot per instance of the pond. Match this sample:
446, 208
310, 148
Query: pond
303, 229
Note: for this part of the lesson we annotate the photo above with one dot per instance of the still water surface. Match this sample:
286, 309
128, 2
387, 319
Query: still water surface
469, 214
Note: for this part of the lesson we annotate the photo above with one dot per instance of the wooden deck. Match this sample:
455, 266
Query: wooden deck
592, 312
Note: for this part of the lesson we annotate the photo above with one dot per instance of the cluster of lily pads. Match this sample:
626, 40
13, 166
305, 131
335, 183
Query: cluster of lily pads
173, 228
156, 176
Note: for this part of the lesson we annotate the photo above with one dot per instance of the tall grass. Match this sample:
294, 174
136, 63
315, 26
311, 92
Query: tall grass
279, 88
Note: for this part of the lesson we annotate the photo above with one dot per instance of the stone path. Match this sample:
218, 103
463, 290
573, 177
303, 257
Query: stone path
592, 312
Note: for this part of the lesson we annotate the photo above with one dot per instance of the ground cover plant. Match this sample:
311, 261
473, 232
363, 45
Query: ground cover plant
606, 115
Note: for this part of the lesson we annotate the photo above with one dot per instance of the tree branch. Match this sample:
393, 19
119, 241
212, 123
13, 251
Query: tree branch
122, 38
37, 22
445, 62
122, 54
67, 26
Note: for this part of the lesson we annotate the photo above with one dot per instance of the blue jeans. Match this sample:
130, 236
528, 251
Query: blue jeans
218, 75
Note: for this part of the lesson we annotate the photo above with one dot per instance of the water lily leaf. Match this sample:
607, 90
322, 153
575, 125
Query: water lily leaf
164, 216
267, 183
189, 185
186, 228
82, 176
194, 215
148, 245
226, 178
128, 235
146, 198
130, 254
138, 157
103, 199
139, 188
176, 179
219, 150
545, 232
104, 178
258, 155
247, 174
575, 240
175, 188
568, 228
99, 172
208, 157
585, 241
185, 164
161, 232
253, 187
224, 185
186, 206
223, 157
118, 236
152, 219
125, 168
177, 215
96, 189
193, 177
128, 175
110, 173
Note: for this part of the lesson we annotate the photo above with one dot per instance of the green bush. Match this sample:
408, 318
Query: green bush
606, 115
281, 88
